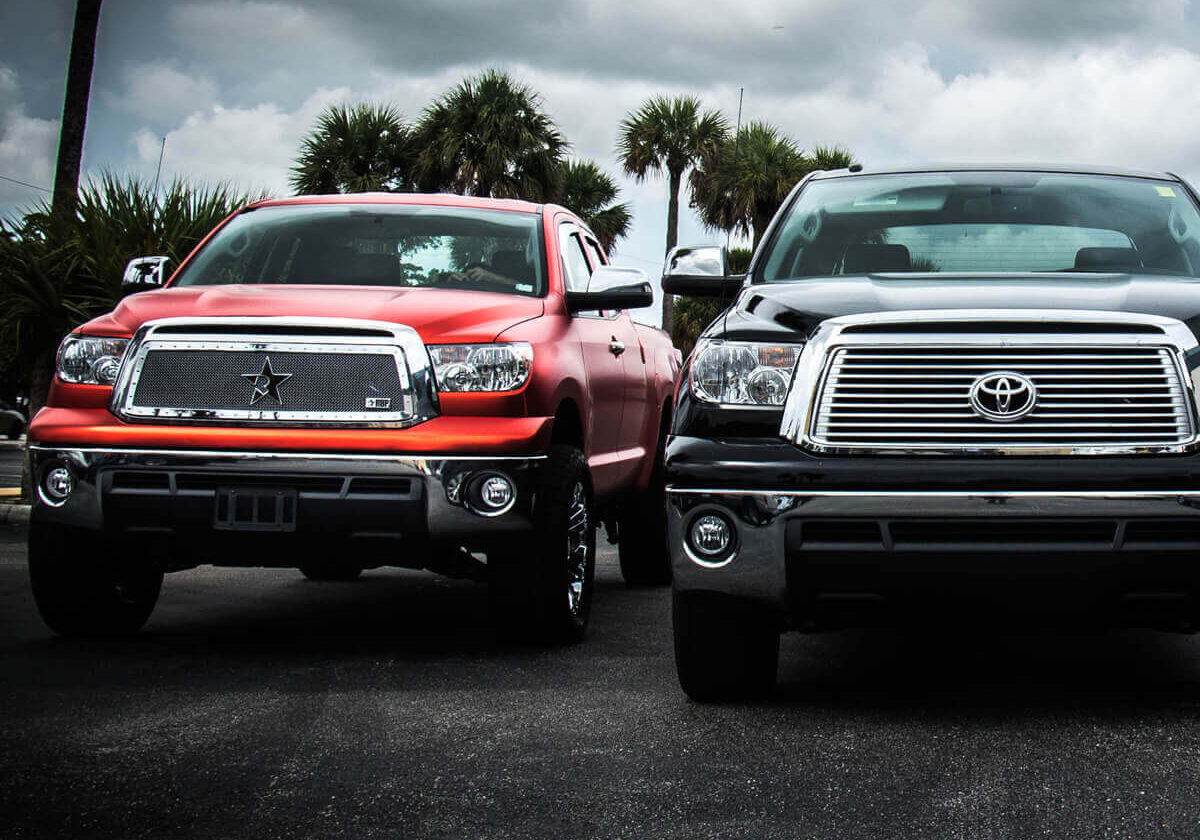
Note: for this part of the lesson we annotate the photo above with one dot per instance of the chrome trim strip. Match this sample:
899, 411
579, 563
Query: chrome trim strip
400, 458
401, 342
943, 494
812, 370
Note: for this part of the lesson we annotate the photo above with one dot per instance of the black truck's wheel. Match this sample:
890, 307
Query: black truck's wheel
84, 586
545, 593
725, 649
328, 570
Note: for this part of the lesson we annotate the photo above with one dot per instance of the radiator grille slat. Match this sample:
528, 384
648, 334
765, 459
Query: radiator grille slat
920, 397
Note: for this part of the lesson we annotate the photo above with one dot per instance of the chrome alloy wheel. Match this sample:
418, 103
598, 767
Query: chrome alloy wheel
579, 518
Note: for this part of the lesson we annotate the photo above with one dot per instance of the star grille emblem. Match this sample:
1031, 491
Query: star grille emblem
266, 382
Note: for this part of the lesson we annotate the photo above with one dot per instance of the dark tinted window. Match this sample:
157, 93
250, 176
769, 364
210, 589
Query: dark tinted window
376, 245
986, 222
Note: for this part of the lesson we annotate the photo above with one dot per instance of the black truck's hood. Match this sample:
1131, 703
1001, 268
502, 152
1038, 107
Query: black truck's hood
775, 310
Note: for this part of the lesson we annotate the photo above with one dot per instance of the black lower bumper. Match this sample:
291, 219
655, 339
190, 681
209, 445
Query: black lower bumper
275, 509
1033, 538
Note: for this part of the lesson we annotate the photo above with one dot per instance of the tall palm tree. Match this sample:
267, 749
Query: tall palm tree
668, 136
488, 136
741, 184
359, 148
75, 106
591, 193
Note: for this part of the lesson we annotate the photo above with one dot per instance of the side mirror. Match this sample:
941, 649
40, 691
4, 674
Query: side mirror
700, 271
613, 288
145, 273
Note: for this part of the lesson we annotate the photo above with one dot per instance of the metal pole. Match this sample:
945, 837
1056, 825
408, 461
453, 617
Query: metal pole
161, 151
736, 140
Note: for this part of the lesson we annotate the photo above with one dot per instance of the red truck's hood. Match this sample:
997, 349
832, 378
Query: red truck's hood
438, 315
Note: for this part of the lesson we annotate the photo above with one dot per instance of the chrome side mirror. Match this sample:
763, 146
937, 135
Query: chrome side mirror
701, 271
146, 272
611, 287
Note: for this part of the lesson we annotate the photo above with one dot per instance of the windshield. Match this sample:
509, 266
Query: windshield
375, 245
986, 222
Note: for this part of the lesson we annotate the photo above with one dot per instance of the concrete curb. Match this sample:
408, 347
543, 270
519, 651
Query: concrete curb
17, 515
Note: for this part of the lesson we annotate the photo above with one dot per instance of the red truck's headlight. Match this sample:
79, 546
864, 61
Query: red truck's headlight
90, 360
481, 367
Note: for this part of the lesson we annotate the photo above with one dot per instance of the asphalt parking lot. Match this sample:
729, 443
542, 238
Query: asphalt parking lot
257, 704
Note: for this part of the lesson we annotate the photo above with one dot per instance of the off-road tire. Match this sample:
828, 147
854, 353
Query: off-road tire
89, 586
725, 648
544, 594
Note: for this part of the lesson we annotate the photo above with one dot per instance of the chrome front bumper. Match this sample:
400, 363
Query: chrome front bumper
355, 495
775, 529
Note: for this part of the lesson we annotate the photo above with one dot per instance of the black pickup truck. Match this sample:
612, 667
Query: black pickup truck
951, 394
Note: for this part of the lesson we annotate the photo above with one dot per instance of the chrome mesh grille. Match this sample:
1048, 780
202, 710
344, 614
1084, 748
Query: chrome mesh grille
1088, 396
223, 380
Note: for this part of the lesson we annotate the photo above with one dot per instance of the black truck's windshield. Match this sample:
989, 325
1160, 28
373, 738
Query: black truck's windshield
376, 245
986, 222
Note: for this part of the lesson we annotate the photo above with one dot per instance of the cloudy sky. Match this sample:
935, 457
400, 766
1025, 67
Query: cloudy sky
233, 84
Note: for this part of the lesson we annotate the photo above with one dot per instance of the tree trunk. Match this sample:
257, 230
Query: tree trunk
75, 107
668, 310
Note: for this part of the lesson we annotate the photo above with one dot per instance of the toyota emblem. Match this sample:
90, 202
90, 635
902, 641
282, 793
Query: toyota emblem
1003, 396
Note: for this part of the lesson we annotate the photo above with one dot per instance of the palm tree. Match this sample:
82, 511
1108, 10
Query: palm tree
488, 136
591, 193
669, 136
360, 148
75, 106
829, 158
742, 183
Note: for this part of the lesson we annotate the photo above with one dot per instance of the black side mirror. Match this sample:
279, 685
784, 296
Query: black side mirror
613, 288
700, 271
144, 273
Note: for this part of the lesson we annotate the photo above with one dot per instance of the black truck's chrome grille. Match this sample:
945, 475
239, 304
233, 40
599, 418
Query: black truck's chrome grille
267, 370
897, 396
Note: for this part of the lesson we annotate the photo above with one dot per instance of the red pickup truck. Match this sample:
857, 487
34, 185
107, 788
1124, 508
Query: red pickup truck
336, 383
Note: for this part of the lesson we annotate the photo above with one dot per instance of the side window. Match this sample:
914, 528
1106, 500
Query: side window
576, 264
594, 251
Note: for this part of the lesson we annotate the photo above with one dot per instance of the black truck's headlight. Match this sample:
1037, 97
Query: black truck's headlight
743, 372
481, 367
90, 360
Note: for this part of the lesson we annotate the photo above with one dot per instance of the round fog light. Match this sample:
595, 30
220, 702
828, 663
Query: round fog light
57, 485
490, 494
497, 492
711, 537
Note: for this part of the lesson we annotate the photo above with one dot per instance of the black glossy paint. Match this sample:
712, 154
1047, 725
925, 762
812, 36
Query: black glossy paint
791, 311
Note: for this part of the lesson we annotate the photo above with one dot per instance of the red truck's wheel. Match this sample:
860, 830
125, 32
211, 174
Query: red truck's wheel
725, 649
642, 530
84, 587
545, 593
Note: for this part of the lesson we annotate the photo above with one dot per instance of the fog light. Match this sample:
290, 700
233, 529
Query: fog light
497, 492
490, 494
57, 485
711, 537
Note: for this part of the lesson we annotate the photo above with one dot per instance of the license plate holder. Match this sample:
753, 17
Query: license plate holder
255, 509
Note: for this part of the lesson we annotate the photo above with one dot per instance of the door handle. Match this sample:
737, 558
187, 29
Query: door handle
616, 347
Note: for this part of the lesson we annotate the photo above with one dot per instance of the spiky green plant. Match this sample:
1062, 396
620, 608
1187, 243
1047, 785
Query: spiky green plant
57, 272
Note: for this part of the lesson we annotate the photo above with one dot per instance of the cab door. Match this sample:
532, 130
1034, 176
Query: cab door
637, 403
603, 365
